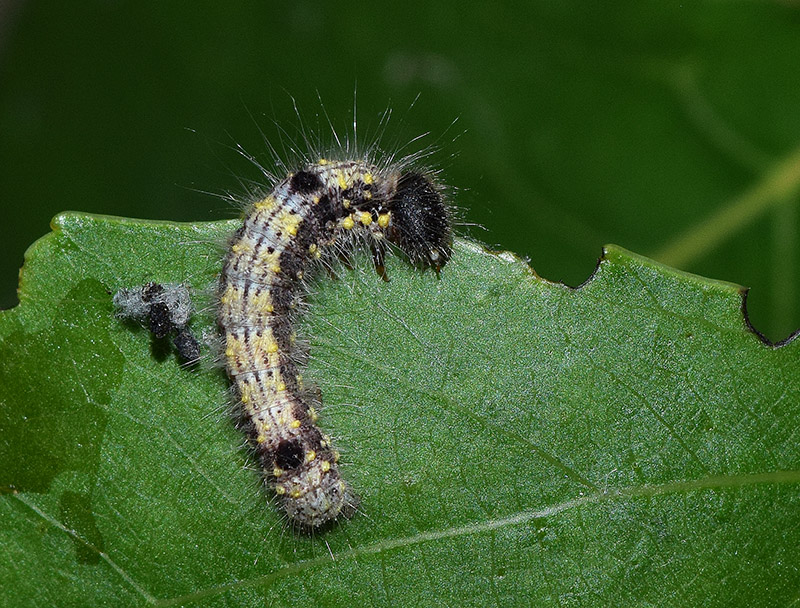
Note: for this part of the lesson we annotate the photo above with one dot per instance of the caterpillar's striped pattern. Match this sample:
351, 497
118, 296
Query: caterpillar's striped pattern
312, 213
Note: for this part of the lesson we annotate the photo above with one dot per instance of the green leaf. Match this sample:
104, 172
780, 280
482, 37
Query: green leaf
514, 441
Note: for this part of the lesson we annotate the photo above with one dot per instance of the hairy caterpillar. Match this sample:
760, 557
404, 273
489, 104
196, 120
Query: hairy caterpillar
314, 212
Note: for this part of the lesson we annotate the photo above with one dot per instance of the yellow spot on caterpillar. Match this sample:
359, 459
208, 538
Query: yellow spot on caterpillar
296, 492
310, 455
261, 302
267, 257
280, 490
265, 204
348, 223
366, 218
312, 413
276, 268
295, 424
341, 180
262, 438
234, 349
325, 466
244, 245
346, 203
315, 200
312, 248
281, 386
246, 393
322, 162
335, 455
287, 221
232, 296
277, 471
383, 220
265, 342
368, 178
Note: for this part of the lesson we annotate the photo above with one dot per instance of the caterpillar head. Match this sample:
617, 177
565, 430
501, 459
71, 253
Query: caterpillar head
420, 224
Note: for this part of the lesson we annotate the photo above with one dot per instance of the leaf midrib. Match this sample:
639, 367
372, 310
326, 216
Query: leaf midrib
607, 495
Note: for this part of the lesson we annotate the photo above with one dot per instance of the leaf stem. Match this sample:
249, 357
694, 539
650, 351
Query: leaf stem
776, 187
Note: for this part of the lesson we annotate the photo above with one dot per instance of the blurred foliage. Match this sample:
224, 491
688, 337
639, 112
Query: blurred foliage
668, 128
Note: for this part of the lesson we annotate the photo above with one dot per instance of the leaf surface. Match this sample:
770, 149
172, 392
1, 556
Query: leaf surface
514, 441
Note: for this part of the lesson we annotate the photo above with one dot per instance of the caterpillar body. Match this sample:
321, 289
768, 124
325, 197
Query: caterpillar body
313, 213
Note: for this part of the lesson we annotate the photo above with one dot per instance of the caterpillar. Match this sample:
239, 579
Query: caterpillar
314, 213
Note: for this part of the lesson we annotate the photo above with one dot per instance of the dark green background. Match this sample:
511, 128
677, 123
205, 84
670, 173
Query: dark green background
580, 123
